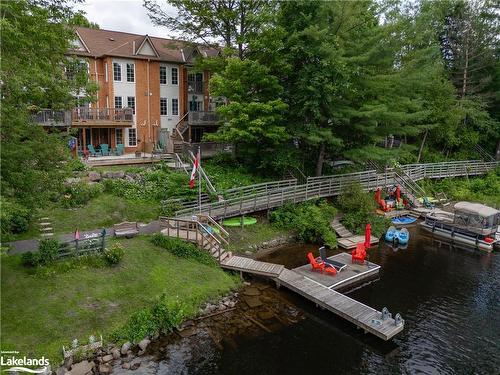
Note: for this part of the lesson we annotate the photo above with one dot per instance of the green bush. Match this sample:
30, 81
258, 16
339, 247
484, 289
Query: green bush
162, 317
310, 221
354, 199
47, 251
114, 254
14, 217
79, 194
76, 165
30, 259
183, 249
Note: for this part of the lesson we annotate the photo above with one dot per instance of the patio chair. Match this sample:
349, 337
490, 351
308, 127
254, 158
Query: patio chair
320, 265
104, 149
119, 149
358, 255
339, 266
92, 151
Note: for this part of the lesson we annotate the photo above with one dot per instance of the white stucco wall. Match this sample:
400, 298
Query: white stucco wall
170, 92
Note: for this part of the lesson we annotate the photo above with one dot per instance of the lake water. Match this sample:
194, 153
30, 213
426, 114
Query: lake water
449, 298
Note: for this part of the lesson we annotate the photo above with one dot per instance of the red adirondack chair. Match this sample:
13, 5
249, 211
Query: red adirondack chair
320, 265
358, 255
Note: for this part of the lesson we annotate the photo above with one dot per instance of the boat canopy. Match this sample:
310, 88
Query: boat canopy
476, 209
476, 217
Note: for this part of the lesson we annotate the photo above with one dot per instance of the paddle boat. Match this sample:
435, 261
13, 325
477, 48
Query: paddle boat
394, 235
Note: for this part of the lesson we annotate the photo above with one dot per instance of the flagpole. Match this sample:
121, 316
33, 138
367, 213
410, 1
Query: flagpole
199, 178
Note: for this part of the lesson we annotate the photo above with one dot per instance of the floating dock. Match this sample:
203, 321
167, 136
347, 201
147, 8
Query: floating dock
347, 239
319, 288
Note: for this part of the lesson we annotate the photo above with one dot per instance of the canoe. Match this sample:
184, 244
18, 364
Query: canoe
236, 221
403, 220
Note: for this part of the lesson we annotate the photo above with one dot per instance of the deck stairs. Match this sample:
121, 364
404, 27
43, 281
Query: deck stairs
410, 188
483, 153
179, 129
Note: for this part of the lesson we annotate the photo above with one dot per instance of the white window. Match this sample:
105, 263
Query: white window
130, 73
175, 76
163, 75
132, 137
119, 136
131, 103
105, 72
163, 106
117, 72
175, 107
118, 102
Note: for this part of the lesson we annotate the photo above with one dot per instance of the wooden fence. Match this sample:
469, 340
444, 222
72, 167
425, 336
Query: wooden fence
82, 246
264, 196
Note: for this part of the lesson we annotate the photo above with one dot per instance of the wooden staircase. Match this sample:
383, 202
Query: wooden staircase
202, 230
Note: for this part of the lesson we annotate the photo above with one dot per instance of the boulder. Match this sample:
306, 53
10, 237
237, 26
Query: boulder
143, 344
105, 368
117, 174
115, 353
107, 358
61, 371
81, 368
126, 347
126, 366
68, 361
94, 176
135, 366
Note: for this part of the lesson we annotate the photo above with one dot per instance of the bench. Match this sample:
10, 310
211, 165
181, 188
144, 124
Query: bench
126, 229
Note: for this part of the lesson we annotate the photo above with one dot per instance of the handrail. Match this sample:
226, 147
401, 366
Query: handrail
326, 186
181, 163
207, 180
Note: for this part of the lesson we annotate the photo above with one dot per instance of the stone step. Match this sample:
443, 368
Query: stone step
45, 224
44, 218
47, 234
46, 229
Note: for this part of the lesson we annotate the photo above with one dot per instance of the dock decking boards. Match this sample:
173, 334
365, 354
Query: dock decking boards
350, 242
356, 312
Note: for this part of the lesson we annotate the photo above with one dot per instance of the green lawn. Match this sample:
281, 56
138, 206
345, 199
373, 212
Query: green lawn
42, 313
242, 238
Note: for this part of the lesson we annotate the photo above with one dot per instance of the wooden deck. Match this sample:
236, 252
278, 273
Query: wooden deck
353, 274
356, 312
350, 242
337, 226
237, 263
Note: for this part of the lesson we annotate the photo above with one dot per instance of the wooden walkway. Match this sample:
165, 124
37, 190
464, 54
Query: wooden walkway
365, 317
347, 239
339, 228
242, 264
356, 312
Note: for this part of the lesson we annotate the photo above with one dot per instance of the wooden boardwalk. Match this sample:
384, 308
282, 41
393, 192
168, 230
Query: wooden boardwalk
356, 312
337, 226
347, 239
237, 263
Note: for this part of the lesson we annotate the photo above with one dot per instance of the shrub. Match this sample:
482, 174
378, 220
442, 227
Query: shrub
311, 221
76, 165
14, 217
47, 251
183, 249
162, 316
79, 194
354, 199
30, 259
114, 254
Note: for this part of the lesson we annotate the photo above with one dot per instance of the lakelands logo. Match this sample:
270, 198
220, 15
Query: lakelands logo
16, 364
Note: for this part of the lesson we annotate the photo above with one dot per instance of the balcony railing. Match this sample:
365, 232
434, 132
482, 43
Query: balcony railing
202, 118
49, 117
102, 115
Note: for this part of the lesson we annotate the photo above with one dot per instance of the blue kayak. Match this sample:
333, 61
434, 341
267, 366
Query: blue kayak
403, 220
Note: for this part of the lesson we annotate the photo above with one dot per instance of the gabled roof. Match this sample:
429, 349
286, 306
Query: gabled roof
101, 43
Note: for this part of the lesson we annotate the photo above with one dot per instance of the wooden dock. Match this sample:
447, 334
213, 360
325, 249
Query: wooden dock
350, 242
365, 317
356, 312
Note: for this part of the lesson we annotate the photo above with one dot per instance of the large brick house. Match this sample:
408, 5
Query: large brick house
149, 93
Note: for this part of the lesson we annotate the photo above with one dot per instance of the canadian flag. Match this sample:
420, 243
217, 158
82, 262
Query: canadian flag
196, 165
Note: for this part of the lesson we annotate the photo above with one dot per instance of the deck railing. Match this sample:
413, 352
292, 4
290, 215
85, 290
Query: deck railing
84, 114
257, 197
202, 118
49, 117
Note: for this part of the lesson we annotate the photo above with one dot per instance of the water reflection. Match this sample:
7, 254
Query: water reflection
448, 297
